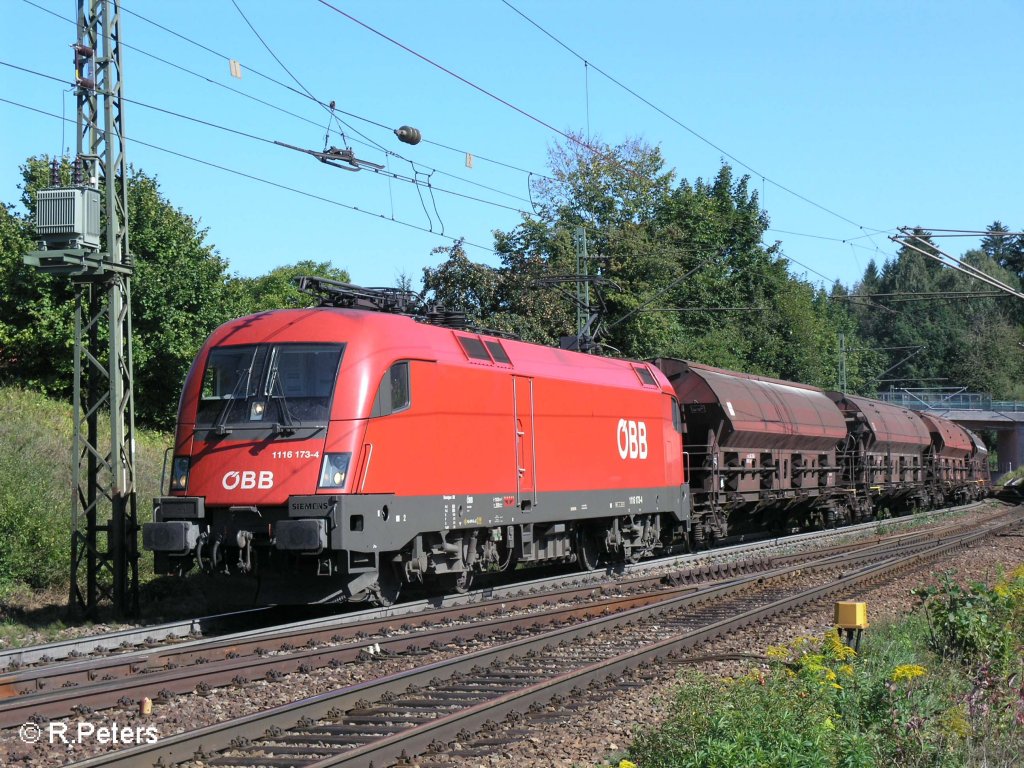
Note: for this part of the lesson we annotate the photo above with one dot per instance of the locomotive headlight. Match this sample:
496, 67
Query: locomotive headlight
179, 473
334, 470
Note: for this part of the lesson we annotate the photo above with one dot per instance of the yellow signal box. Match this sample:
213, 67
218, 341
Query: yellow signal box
852, 615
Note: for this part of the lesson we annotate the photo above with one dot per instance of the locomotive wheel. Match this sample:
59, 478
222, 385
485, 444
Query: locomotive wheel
589, 555
460, 582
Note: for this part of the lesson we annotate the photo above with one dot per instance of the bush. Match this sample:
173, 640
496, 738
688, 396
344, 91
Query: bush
1016, 474
36, 489
977, 624
941, 688
785, 716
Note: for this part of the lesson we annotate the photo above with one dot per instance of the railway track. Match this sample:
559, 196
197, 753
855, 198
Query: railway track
84, 686
124, 640
512, 666
142, 640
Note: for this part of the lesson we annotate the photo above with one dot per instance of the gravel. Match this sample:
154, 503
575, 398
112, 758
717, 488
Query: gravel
603, 729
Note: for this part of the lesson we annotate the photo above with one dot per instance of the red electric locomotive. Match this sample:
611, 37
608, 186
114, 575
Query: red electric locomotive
338, 453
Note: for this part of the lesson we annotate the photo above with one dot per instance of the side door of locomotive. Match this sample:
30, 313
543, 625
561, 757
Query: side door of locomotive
524, 442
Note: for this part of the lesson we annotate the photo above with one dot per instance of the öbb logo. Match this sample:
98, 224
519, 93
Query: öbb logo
632, 439
248, 480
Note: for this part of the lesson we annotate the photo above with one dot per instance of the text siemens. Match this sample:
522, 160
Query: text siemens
632, 439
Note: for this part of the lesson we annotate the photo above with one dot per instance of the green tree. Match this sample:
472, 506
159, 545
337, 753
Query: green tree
958, 342
460, 285
603, 188
996, 244
36, 314
685, 269
276, 289
504, 299
179, 295
991, 360
1005, 250
613, 195
530, 254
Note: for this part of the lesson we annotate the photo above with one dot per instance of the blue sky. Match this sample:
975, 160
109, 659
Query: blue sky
876, 114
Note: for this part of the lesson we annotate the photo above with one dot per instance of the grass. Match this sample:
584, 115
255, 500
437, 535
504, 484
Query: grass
1015, 474
35, 505
941, 688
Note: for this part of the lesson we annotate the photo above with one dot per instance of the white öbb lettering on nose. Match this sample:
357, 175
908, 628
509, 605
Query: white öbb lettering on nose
247, 479
631, 438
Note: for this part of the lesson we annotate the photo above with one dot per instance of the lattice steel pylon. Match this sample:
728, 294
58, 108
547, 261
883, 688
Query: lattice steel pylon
583, 319
104, 540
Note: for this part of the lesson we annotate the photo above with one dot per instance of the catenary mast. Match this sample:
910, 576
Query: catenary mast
69, 222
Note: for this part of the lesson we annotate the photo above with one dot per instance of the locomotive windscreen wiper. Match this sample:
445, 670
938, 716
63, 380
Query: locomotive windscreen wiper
229, 401
287, 427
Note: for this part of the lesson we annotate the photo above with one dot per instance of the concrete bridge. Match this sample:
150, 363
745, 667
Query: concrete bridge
976, 412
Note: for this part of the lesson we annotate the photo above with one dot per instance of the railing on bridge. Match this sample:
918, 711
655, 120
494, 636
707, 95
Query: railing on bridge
947, 398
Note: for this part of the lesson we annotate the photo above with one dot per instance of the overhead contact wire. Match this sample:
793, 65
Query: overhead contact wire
300, 93
471, 84
329, 108
253, 177
297, 92
254, 137
677, 122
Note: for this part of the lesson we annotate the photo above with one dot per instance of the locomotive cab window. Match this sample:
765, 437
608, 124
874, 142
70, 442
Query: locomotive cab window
677, 417
393, 393
300, 380
266, 384
228, 373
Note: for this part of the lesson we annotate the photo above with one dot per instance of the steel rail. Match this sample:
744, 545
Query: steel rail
90, 685
472, 718
127, 641
183, 746
118, 640
163, 677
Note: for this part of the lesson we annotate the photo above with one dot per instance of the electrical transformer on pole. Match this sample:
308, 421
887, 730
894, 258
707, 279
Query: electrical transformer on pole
104, 538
